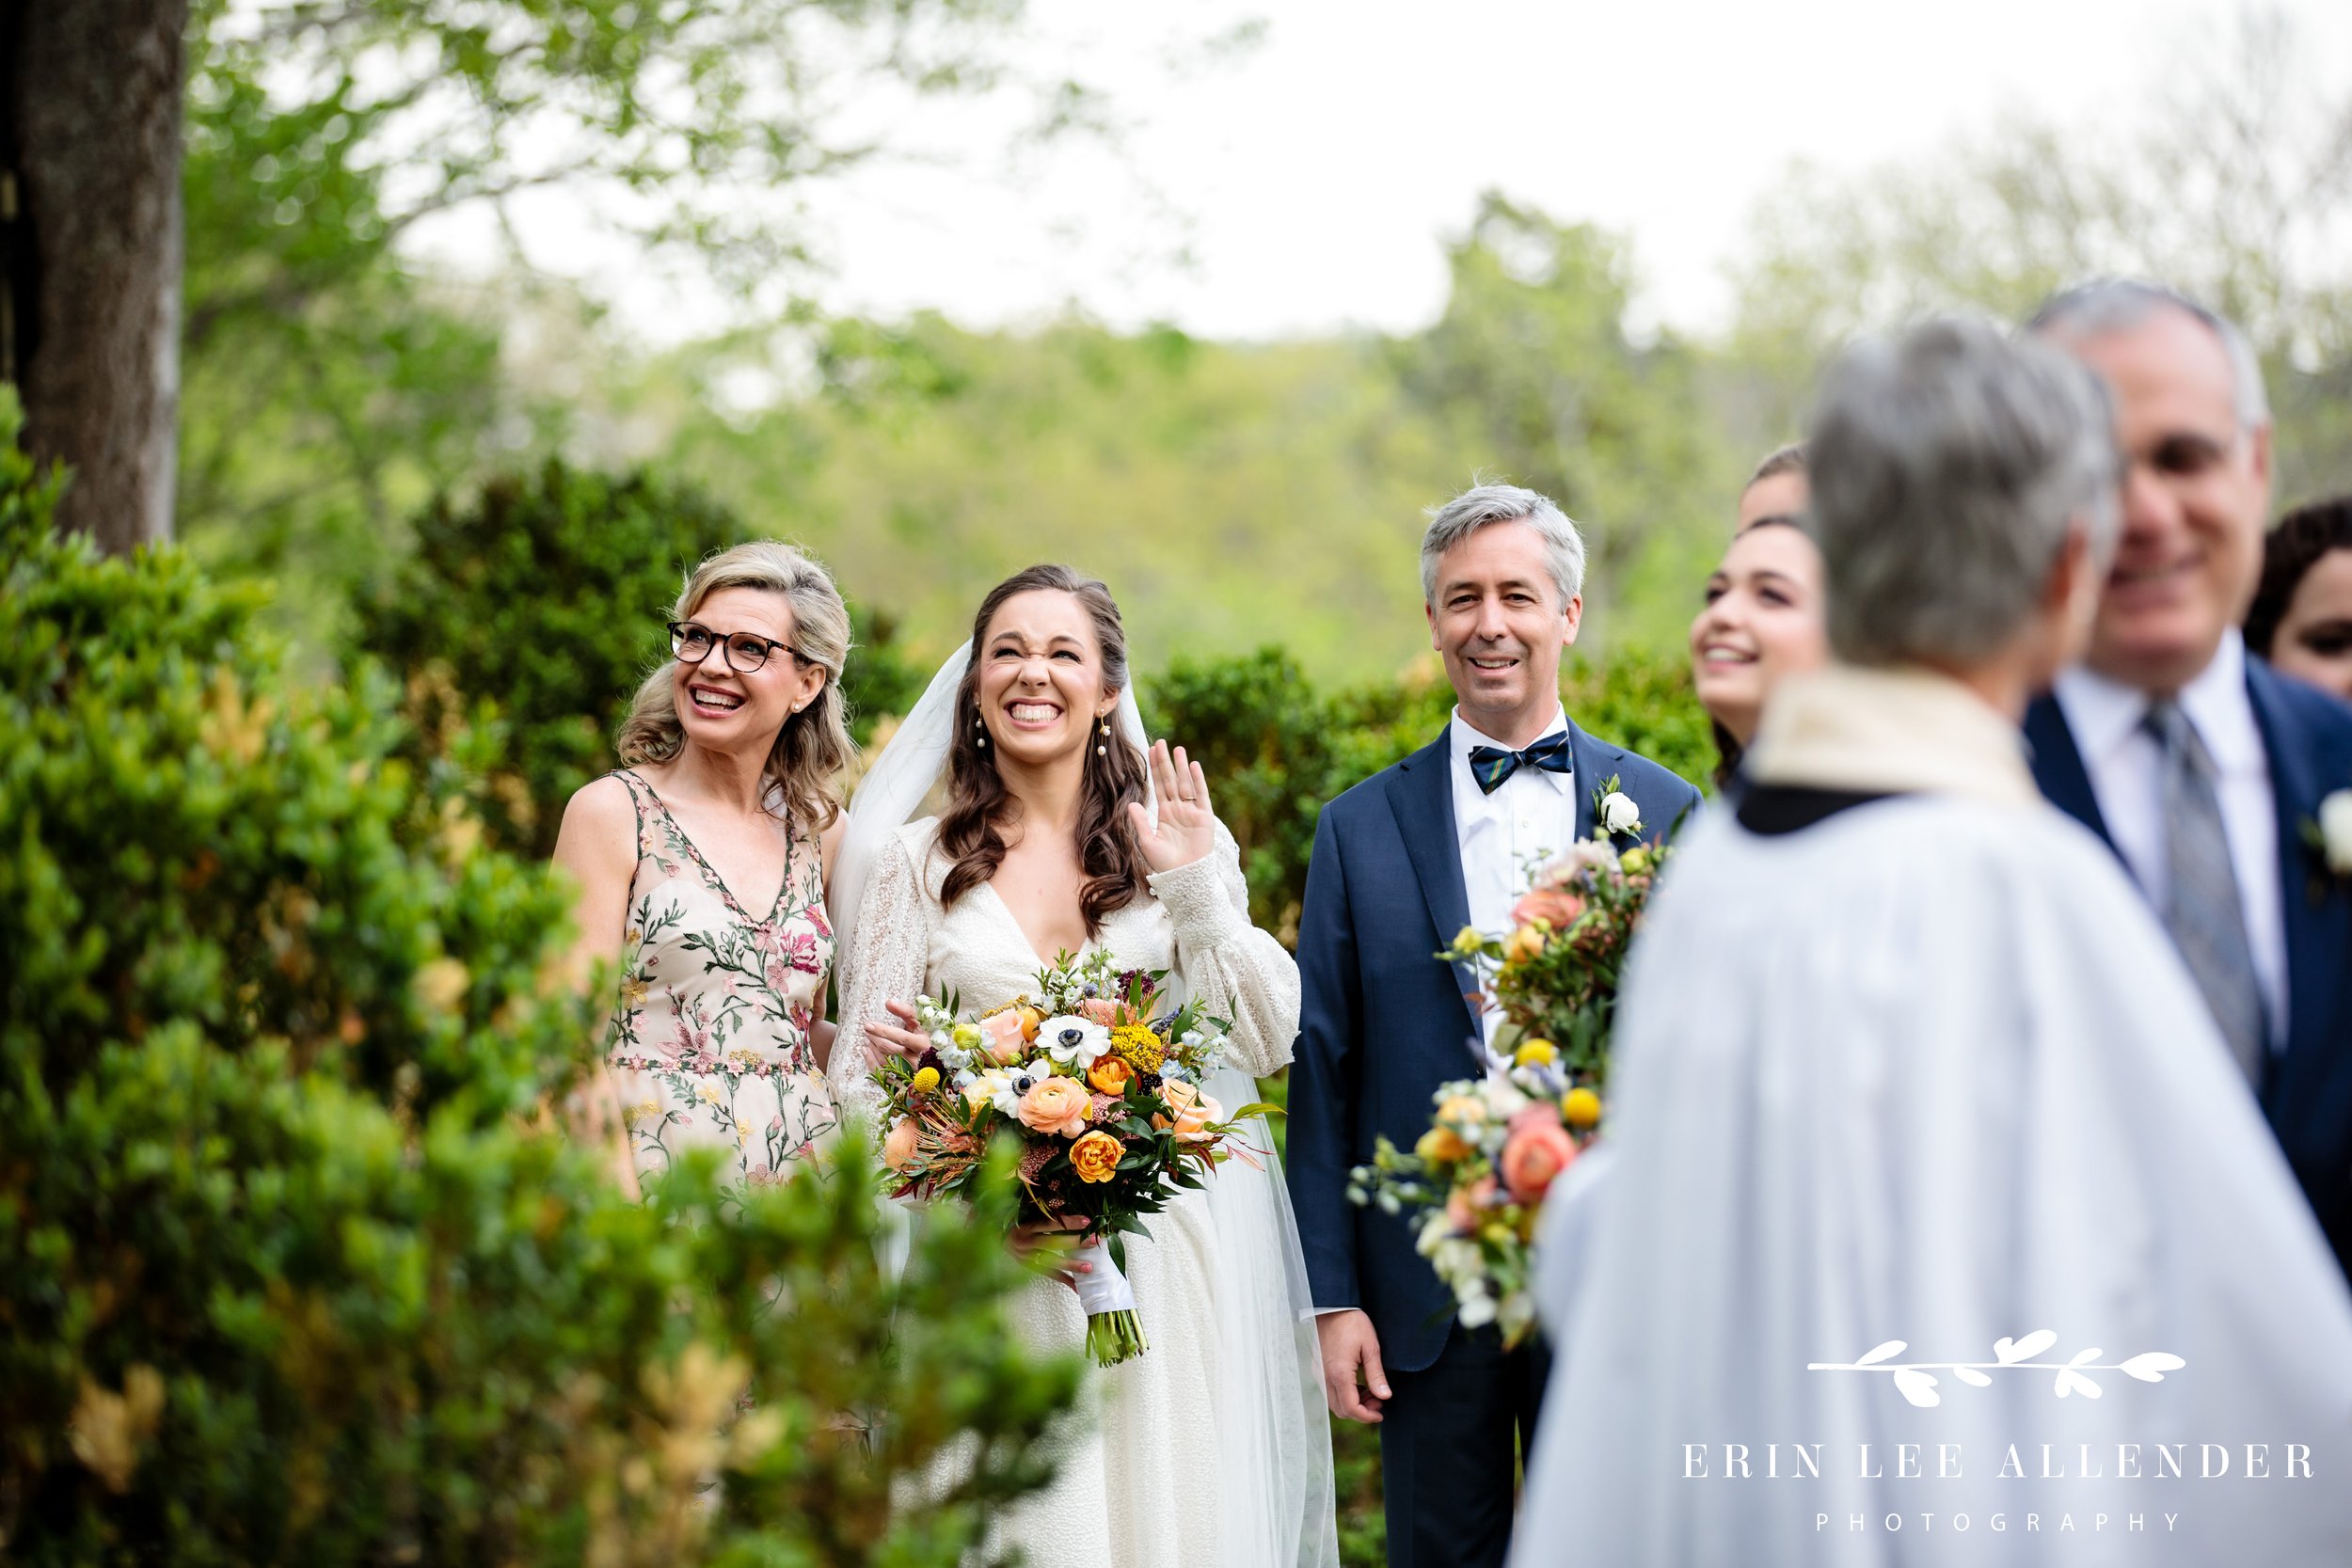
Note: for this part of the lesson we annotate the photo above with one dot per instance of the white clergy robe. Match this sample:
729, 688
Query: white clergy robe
1925, 1071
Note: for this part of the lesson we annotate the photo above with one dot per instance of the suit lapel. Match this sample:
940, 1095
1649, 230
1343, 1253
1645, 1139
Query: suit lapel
2318, 930
1420, 795
1596, 762
2057, 767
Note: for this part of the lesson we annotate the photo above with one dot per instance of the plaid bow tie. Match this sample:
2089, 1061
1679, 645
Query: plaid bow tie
1492, 765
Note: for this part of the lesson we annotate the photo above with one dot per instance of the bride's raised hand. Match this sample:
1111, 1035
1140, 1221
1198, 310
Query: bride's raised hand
897, 1040
1187, 829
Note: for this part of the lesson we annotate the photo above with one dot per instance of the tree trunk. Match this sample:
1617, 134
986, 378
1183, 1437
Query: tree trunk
96, 103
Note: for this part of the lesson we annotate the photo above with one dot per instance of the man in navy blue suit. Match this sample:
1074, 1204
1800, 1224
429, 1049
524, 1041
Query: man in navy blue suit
1402, 863
2197, 764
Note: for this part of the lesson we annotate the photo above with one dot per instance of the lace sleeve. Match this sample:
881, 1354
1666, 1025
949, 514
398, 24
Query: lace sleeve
884, 962
1231, 968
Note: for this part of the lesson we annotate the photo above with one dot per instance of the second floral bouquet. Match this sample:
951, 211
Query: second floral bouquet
1476, 1181
1100, 1079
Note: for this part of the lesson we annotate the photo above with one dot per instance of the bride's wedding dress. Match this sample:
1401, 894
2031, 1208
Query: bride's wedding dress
1211, 1447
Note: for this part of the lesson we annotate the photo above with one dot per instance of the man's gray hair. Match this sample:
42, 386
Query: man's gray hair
1950, 464
2107, 305
1483, 504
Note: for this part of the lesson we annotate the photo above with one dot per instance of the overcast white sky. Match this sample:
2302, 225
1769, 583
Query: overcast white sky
1312, 179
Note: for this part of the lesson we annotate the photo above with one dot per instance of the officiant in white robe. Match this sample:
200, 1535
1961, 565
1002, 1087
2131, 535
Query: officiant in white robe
1937, 1225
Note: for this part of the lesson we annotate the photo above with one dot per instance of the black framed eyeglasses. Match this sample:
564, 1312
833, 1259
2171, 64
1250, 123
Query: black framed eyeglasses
690, 643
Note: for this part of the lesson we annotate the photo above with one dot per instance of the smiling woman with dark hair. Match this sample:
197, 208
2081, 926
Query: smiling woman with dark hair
2302, 619
1065, 830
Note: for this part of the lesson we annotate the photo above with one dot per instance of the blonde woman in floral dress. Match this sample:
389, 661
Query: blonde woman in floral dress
702, 867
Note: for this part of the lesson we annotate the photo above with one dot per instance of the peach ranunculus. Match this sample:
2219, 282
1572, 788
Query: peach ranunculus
1537, 1151
1056, 1105
1095, 1156
1002, 1037
1110, 1075
1195, 1113
1555, 906
898, 1147
1463, 1204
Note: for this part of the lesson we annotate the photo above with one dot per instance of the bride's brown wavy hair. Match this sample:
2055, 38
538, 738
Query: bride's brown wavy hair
979, 806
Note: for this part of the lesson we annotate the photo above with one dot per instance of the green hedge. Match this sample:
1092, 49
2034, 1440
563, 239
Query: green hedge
293, 1269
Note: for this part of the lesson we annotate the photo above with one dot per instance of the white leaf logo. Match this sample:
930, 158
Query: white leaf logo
1914, 1382
1917, 1386
2151, 1366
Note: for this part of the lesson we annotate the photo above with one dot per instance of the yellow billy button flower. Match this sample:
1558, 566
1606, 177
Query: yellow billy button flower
1466, 938
1580, 1108
924, 1081
1536, 1052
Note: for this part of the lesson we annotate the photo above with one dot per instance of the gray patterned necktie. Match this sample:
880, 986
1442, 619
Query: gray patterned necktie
2202, 910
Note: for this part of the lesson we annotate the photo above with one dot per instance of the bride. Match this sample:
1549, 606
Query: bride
1060, 833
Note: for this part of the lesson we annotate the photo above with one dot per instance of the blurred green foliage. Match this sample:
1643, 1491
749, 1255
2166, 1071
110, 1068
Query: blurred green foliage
525, 618
295, 1265
332, 382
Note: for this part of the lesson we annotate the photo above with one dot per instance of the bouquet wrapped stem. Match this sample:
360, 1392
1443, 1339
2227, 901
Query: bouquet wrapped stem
1114, 1331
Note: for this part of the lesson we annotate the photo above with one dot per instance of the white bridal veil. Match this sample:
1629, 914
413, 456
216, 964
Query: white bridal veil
1273, 1488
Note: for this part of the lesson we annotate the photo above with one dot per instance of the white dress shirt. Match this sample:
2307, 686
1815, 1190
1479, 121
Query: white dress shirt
2123, 762
1506, 837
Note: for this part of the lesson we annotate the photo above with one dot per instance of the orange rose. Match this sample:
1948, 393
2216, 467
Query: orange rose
1555, 906
1524, 944
1110, 1075
1030, 1017
1535, 1154
898, 1147
1056, 1105
1095, 1156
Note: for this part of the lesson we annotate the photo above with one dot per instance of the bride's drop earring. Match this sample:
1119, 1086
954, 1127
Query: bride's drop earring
981, 740
1103, 746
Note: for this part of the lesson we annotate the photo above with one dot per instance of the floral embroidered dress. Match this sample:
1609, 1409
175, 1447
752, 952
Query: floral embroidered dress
709, 1043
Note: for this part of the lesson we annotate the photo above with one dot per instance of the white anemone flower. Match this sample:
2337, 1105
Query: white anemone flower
1070, 1039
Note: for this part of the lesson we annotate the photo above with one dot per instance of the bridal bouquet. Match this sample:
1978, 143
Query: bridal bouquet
1478, 1177
1099, 1082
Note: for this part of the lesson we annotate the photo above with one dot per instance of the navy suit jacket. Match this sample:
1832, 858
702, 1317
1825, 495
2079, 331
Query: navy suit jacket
1383, 1022
2307, 1088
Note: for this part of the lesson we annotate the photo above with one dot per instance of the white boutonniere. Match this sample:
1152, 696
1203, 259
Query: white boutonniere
2330, 840
2331, 837
1615, 810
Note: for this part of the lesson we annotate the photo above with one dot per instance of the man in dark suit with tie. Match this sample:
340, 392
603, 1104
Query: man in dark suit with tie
2199, 765
1402, 863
